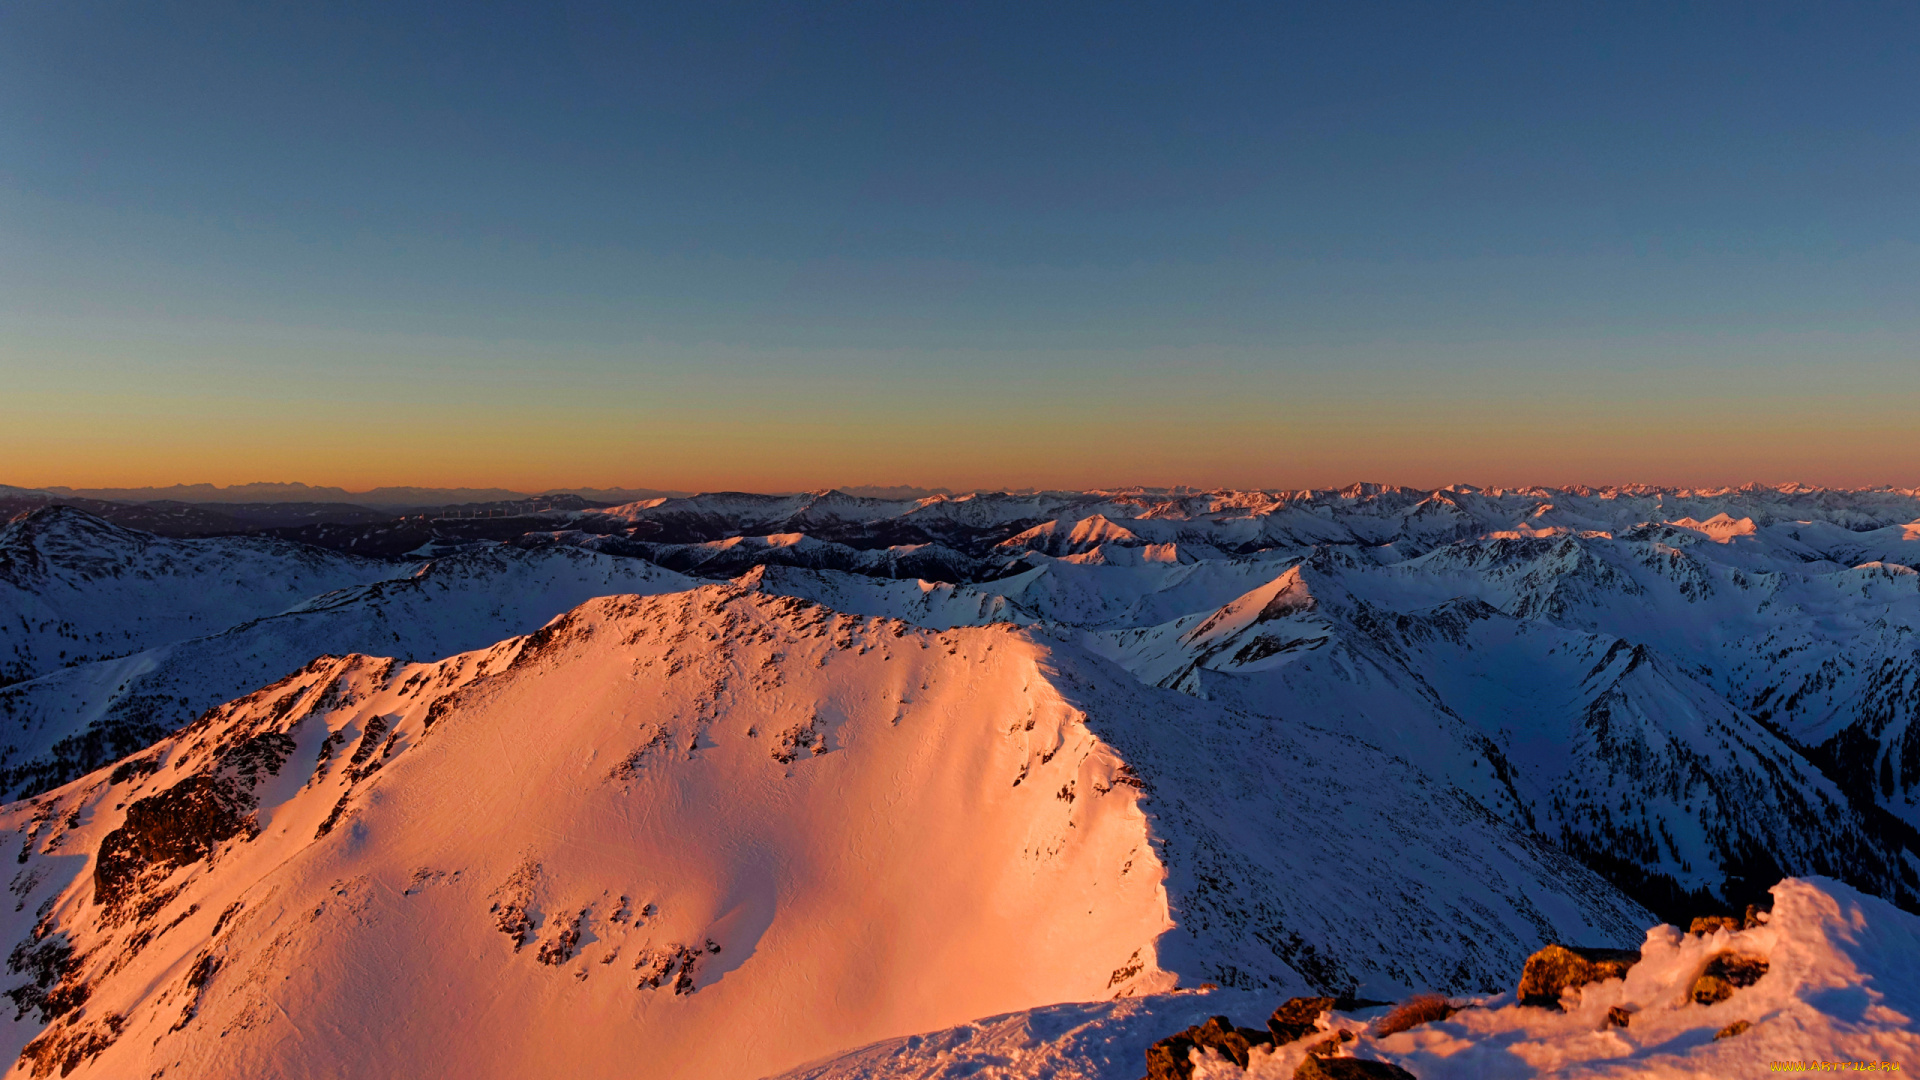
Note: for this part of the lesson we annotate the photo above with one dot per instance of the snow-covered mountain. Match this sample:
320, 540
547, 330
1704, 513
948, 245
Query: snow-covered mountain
932, 604
908, 762
669, 816
737, 554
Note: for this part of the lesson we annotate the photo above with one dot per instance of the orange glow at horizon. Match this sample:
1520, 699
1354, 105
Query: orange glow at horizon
694, 453
230, 406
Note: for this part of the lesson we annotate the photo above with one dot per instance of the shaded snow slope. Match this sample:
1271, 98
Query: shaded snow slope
1612, 750
1828, 653
71, 721
1103, 595
1302, 858
74, 588
1840, 987
1101, 1040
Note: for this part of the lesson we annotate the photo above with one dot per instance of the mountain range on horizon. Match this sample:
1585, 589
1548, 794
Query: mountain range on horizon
415, 497
392, 497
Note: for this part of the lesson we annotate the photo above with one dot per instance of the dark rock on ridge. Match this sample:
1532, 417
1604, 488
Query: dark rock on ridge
1297, 1018
1725, 974
1558, 968
1171, 1057
184, 823
1316, 1068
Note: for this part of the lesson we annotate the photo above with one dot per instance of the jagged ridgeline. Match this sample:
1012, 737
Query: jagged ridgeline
921, 760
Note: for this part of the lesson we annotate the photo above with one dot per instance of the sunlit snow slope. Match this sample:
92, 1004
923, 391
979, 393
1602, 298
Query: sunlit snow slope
712, 833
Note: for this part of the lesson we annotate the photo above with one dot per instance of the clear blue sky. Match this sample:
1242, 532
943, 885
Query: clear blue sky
784, 245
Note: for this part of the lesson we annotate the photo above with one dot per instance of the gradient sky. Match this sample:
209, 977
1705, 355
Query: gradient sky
774, 246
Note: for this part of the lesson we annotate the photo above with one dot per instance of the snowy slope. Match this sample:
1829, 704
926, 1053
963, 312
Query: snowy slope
723, 833
1824, 651
1301, 858
75, 588
612, 826
1613, 751
736, 555
1104, 594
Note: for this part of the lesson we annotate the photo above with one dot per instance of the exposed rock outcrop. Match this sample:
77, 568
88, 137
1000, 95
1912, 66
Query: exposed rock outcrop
1315, 1068
1725, 974
1558, 968
1707, 924
1172, 1057
1297, 1018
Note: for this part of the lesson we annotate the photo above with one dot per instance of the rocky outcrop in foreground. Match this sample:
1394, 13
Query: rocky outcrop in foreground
1759, 983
